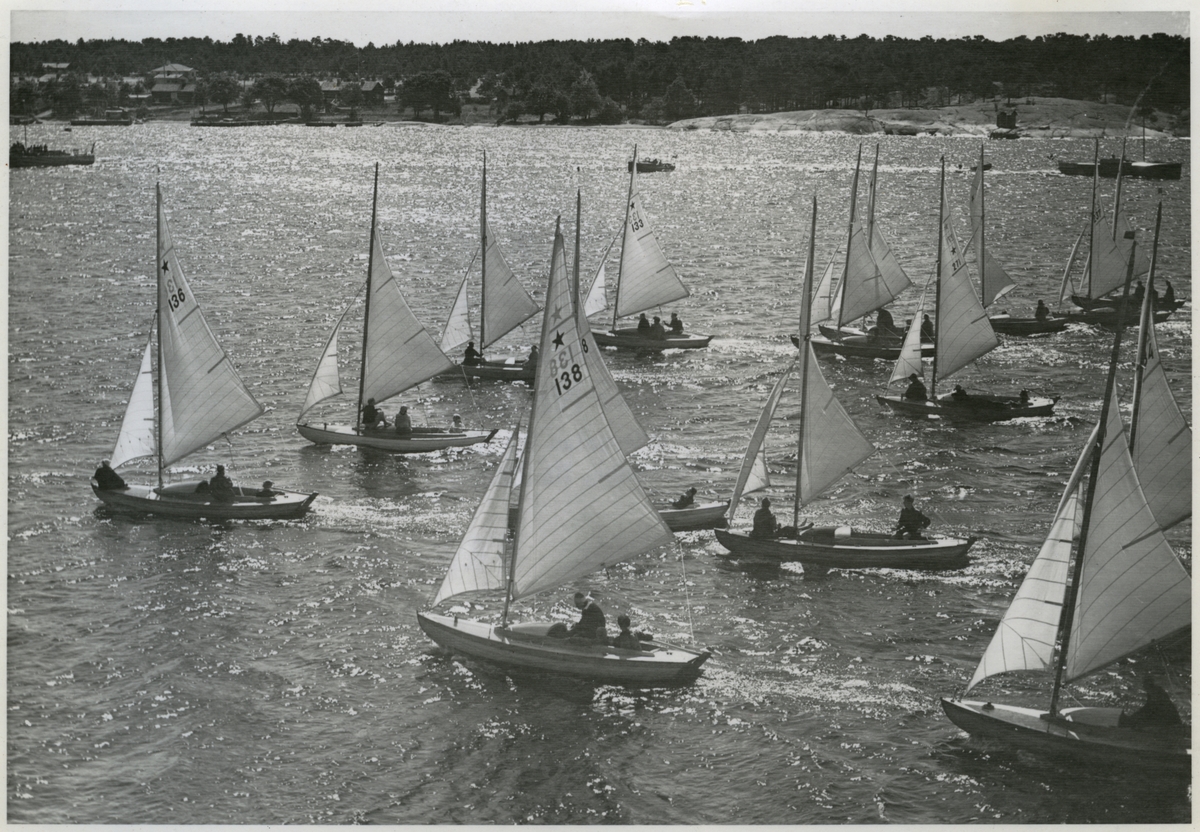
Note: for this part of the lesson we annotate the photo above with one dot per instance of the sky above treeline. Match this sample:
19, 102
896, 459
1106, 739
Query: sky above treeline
382, 23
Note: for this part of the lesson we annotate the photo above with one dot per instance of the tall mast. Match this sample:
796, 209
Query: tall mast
982, 226
624, 232
805, 336
1146, 321
937, 294
1068, 612
159, 268
483, 242
576, 289
871, 199
1117, 195
362, 374
850, 229
1091, 262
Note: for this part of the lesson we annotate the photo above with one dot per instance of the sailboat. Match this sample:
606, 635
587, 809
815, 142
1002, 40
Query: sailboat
963, 335
580, 509
994, 281
504, 305
1124, 591
398, 353
830, 445
871, 278
201, 398
645, 280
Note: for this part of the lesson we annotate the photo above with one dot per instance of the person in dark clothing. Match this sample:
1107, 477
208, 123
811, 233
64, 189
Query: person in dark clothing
884, 327
220, 486
372, 416
657, 330
912, 522
915, 392
266, 490
591, 624
403, 421
472, 356
1168, 296
107, 478
1139, 293
765, 524
1042, 312
686, 500
643, 324
1159, 710
676, 324
926, 328
959, 393
626, 639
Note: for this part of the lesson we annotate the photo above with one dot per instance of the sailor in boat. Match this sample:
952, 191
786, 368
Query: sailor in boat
1168, 295
1024, 401
926, 328
456, 423
220, 486
372, 416
1139, 293
1042, 312
403, 421
643, 326
472, 356
688, 498
912, 522
915, 392
591, 625
532, 359
765, 524
108, 479
626, 639
267, 491
1158, 711
959, 394
884, 327
676, 324
657, 330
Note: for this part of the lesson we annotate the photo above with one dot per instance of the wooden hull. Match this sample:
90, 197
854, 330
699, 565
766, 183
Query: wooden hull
1111, 302
50, 160
1107, 316
526, 647
420, 441
700, 516
865, 346
181, 500
495, 371
631, 339
977, 408
1008, 325
1090, 735
828, 547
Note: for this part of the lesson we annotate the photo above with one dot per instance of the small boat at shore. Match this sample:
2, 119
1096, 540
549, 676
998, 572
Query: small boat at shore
398, 353
201, 399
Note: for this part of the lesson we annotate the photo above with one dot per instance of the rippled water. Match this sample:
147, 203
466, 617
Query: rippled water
173, 672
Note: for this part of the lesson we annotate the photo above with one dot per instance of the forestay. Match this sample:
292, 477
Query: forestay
581, 506
479, 562
136, 439
202, 395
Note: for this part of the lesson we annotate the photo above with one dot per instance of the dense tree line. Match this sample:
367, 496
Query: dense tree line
608, 80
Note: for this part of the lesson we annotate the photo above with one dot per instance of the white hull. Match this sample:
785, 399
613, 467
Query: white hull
632, 339
420, 441
182, 500
700, 516
526, 647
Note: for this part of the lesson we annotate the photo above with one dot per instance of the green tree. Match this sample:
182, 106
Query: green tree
305, 92
430, 91
351, 96
585, 96
610, 112
223, 89
678, 101
270, 90
66, 95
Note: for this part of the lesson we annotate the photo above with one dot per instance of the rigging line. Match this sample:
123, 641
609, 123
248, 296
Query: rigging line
687, 600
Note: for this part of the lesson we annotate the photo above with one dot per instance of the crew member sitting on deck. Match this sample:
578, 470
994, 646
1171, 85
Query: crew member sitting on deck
916, 389
643, 324
884, 325
372, 416
686, 500
1168, 296
657, 330
471, 356
765, 524
1159, 709
626, 639
532, 359
591, 625
926, 328
676, 324
1042, 312
456, 423
220, 486
107, 479
403, 421
959, 393
912, 522
266, 490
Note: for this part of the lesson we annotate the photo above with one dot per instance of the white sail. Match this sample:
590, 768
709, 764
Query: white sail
1064, 288
326, 381
581, 506
832, 443
963, 330
993, 280
826, 303
891, 275
909, 360
1108, 260
400, 352
1132, 589
753, 474
1162, 443
506, 304
136, 439
479, 562
202, 396
862, 289
596, 298
630, 434
1025, 639
646, 278
458, 325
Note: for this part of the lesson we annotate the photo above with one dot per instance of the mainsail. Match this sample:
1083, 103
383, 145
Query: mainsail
505, 303
201, 396
136, 439
479, 562
993, 280
646, 278
581, 506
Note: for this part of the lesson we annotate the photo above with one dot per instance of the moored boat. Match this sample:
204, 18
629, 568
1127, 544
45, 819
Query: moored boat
652, 166
21, 155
